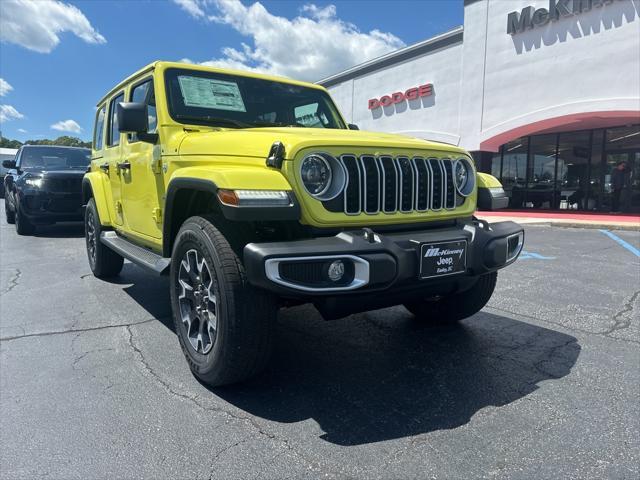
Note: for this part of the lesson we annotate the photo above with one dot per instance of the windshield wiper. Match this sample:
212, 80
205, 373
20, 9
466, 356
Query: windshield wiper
209, 119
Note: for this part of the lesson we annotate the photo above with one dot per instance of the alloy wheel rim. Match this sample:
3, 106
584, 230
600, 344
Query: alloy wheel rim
91, 236
197, 301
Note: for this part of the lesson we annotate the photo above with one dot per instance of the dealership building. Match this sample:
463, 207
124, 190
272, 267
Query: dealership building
544, 93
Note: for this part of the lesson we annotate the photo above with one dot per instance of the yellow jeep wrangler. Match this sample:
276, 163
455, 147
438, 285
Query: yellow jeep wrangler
252, 193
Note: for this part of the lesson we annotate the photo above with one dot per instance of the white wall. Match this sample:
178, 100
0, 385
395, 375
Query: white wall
434, 117
494, 82
589, 62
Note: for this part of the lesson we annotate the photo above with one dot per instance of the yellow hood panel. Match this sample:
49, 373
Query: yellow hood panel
256, 142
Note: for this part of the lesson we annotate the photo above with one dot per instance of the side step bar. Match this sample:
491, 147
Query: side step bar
138, 255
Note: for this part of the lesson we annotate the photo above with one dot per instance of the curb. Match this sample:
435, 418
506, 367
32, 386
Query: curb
567, 223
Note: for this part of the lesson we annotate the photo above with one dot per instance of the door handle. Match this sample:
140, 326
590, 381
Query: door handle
124, 165
104, 167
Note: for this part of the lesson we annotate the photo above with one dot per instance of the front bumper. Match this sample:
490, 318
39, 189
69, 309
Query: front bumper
392, 260
46, 208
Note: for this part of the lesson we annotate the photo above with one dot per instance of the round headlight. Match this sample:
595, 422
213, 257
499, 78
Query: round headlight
463, 177
316, 174
323, 176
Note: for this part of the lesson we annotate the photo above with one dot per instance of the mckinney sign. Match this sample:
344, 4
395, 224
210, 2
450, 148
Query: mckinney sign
530, 17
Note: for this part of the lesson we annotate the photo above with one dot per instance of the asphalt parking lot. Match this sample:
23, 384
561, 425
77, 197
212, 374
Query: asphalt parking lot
543, 383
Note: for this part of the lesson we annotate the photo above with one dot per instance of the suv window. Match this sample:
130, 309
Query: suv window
144, 93
114, 134
236, 101
311, 116
98, 131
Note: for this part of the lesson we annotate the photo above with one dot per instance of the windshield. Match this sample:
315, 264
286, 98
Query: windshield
234, 101
55, 158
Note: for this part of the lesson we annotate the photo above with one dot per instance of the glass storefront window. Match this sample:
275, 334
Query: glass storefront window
623, 138
541, 183
514, 171
574, 154
578, 170
496, 164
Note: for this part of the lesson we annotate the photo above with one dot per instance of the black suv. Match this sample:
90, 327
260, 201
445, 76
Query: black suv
44, 186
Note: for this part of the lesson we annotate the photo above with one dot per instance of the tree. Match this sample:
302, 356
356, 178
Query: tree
6, 143
65, 141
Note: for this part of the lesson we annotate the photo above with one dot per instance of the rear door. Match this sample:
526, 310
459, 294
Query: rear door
143, 185
112, 156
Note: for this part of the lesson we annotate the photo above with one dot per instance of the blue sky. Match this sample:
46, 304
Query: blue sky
45, 83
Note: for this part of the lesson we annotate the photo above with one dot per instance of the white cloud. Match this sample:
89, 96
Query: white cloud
36, 25
22, 130
67, 126
311, 46
5, 88
192, 7
7, 112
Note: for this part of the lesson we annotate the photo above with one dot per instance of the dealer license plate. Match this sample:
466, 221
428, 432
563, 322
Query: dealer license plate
443, 258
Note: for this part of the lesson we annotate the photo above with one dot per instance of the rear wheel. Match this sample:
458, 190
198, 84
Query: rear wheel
23, 225
103, 261
224, 325
457, 306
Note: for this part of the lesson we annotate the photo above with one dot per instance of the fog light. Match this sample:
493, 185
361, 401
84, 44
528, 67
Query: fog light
336, 270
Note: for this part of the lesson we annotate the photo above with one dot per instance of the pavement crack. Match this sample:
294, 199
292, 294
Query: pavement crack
196, 401
74, 330
621, 323
13, 281
604, 333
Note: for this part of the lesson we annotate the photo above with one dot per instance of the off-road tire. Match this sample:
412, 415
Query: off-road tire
244, 316
103, 261
9, 215
22, 223
457, 306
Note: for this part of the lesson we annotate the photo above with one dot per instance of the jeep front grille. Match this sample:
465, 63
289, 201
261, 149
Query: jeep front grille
397, 184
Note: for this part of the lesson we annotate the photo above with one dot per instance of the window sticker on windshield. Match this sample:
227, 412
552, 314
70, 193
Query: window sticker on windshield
210, 93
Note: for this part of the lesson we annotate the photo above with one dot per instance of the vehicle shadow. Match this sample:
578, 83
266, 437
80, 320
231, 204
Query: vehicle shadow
383, 375
379, 376
61, 230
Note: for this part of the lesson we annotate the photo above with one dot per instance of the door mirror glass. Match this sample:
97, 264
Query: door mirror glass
9, 164
353, 126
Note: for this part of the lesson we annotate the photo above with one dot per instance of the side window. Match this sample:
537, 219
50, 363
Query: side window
143, 93
310, 115
114, 134
98, 131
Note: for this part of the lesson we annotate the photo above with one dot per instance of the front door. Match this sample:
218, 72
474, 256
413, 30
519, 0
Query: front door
143, 185
112, 156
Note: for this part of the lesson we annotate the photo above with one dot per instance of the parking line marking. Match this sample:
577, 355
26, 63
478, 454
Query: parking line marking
626, 245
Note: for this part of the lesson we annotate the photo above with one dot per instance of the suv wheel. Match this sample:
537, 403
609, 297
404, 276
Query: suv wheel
23, 225
103, 261
11, 216
457, 306
224, 325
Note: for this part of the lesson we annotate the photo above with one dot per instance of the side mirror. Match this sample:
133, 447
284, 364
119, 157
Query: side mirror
9, 164
353, 126
132, 118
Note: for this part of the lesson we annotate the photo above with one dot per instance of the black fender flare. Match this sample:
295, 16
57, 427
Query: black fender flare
236, 214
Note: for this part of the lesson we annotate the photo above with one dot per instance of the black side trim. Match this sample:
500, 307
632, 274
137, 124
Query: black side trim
237, 214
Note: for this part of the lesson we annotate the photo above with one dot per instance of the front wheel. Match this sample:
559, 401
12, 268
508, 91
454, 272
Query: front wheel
23, 225
457, 306
103, 261
9, 215
224, 325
